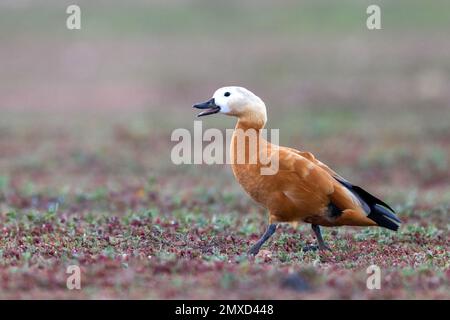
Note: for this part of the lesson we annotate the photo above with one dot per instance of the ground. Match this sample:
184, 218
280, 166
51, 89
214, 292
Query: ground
183, 232
86, 177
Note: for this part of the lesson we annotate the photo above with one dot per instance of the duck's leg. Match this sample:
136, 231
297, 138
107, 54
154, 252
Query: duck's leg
269, 232
321, 244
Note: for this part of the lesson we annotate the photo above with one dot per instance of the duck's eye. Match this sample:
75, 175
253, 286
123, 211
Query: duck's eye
227, 94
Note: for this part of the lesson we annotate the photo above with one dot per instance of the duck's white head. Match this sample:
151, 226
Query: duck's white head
238, 102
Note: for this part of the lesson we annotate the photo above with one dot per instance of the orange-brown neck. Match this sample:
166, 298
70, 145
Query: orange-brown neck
251, 120
247, 142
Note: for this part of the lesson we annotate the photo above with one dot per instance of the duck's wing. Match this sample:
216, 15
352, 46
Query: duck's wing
377, 210
311, 176
310, 157
316, 177
346, 196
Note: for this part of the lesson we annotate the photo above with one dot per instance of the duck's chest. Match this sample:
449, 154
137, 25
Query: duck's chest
251, 180
245, 159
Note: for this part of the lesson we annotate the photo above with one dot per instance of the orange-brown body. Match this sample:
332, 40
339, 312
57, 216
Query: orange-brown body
300, 191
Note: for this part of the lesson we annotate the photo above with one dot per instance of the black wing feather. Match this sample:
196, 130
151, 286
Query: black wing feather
378, 210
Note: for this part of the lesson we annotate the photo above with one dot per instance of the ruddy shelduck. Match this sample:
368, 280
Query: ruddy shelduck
303, 189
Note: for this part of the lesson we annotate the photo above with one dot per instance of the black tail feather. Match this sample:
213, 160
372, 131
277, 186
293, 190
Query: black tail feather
378, 211
384, 217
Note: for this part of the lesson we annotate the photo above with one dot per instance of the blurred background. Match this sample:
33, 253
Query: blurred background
374, 101
91, 111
